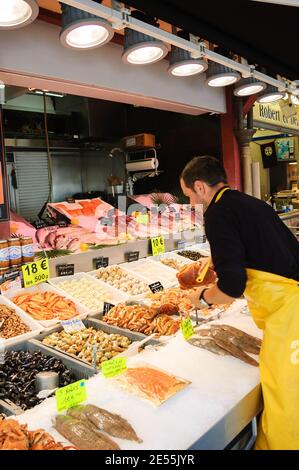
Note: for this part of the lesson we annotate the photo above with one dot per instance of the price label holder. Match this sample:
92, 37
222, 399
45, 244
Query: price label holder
107, 307
132, 256
71, 395
156, 287
101, 262
187, 328
62, 223
36, 272
39, 224
158, 245
181, 245
65, 269
71, 326
114, 367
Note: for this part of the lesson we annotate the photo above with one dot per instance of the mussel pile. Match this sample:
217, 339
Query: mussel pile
17, 376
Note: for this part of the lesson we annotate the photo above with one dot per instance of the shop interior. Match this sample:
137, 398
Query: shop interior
87, 148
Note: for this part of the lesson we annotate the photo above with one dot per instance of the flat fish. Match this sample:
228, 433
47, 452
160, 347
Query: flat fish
239, 338
222, 338
81, 435
209, 344
103, 420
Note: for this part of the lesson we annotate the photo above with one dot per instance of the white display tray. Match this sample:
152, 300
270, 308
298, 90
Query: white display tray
137, 276
171, 255
43, 287
162, 273
116, 296
34, 325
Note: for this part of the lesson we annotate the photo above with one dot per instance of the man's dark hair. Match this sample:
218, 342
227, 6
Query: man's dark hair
207, 169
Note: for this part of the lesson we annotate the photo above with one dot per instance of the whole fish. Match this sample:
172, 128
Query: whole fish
209, 344
241, 339
223, 339
81, 435
103, 420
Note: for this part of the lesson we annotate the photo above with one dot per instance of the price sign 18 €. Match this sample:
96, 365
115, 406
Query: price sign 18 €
158, 245
36, 272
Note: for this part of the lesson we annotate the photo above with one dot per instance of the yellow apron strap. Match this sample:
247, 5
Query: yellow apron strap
219, 195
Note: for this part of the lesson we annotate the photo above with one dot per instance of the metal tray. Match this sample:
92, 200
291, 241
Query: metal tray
97, 325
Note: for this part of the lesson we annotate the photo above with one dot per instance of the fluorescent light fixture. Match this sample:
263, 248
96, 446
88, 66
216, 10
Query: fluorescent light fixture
219, 75
292, 163
270, 95
17, 13
181, 64
80, 30
47, 93
248, 86
140, 48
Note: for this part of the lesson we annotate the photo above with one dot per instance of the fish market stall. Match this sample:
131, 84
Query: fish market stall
220, 397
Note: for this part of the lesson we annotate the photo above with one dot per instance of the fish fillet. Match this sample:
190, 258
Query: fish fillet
103, 420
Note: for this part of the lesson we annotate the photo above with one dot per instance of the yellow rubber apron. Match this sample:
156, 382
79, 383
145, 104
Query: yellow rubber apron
274, 304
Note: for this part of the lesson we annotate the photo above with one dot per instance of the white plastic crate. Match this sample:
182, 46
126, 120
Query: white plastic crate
153, 272
43, 287
34, 326
137, 276
112, 295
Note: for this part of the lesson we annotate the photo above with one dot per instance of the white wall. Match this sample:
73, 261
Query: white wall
33, 56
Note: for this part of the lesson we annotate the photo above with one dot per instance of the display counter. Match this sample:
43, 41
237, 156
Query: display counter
291, 219
224, 396
84, 262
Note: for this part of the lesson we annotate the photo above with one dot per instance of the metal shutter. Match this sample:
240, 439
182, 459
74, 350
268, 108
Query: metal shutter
33, 182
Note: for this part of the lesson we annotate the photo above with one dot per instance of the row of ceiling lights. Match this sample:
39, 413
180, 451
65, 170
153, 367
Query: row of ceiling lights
81, 30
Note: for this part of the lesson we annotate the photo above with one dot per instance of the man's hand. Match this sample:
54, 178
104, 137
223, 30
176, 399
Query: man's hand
194, 296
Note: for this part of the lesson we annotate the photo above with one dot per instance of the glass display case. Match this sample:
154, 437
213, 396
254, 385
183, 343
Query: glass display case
291, 219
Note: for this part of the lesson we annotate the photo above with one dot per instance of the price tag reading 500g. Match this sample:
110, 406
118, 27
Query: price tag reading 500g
158, 245
36, 272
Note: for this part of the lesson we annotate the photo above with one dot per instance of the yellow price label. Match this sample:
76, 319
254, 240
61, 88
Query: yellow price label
142, 219
114, 366
36, 272
158, 245
71, 395
187, 328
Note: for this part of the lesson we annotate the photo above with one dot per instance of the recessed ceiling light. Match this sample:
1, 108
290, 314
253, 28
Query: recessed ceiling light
17, 13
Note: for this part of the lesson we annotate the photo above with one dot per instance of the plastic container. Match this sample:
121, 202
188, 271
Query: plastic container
114, 296
137, 276
34, 325
152, 271
43, 287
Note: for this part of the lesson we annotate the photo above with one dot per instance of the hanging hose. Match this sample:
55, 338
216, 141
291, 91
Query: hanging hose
48, 149
50, 177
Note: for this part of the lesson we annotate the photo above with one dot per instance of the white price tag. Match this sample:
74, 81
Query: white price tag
71, 326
